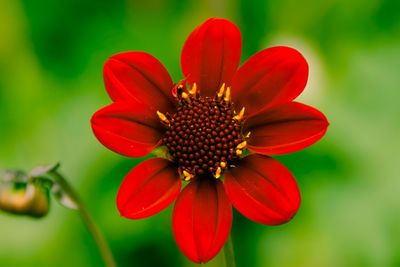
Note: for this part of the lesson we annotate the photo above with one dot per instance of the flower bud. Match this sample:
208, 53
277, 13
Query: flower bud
24, 198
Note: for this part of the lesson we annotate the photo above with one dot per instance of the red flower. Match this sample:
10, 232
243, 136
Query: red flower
206, 131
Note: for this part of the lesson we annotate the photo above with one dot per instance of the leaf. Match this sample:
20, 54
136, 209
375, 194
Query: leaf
63, 197
43, 169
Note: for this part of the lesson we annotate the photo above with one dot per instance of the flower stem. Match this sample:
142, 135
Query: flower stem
229, 254
87, 220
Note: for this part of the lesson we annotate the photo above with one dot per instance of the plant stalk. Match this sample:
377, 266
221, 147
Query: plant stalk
229, 253
87, 219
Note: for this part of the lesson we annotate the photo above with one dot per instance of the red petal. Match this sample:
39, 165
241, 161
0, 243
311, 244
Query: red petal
130, 130
149, 188
269, 78
211, 55
140, 77
263, 190
202, 219
285, 129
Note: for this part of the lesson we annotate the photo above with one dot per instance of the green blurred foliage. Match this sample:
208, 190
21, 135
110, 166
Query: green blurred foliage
51, 57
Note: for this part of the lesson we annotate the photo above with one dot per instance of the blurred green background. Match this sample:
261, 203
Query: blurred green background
51, 58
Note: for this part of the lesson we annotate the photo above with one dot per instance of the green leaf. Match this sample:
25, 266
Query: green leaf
63, 197
43, 169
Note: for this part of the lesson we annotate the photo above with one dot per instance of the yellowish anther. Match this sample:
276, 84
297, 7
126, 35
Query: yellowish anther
248, 135
221, 91
239, 152
186, 96
218, 173
241, 145
162, 117
222, 164
187, 175
239, 116
227, 97
194, 90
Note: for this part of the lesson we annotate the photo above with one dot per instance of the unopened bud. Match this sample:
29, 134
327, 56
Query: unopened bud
24, 198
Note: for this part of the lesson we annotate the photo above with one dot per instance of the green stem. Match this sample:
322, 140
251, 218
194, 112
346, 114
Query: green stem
88, 221
229, 254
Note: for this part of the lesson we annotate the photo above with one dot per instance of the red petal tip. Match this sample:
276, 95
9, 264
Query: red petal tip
263, 190
149, 188
202, 219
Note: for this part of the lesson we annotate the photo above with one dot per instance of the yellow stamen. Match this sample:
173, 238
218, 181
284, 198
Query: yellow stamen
241, 145
222, 164
187, 175
194, 90
239, 152
218, 173
240, 115
248, 135
186, 97
162, 117
221, 91
227, 97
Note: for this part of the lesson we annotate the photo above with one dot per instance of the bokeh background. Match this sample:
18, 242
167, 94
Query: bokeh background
51, 57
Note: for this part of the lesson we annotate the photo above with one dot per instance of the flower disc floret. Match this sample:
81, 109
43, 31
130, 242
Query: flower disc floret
203, 135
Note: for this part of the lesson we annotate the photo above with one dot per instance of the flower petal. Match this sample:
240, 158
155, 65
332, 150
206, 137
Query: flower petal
285, 129
263, 190
202, 219
129, 129
140, 77
149, 188
269, 78
211, 55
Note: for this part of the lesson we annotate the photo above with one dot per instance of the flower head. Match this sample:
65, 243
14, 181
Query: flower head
220, 127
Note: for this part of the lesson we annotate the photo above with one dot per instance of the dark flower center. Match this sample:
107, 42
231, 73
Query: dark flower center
204, 136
